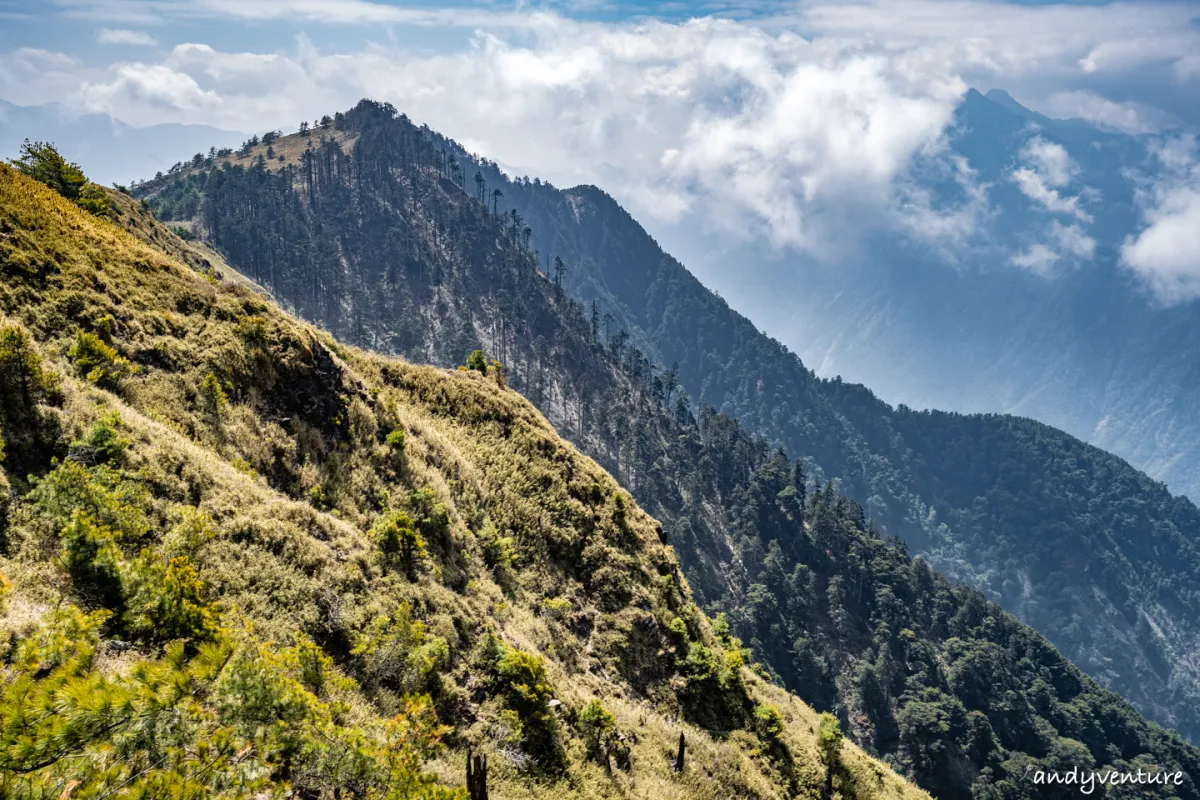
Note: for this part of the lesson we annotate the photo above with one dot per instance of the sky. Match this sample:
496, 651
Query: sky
791, 122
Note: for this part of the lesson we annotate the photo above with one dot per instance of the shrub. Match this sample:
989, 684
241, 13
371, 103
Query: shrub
168, 601
398, 538
23, 385
557, 608
599, 728
213, 400
829, 744
194, 529
677, 632
97, 362
93, 199
397, 653
363, 425
106, 496
432, 517
102, 443
5, 591
720, 627
395, 440
768, 723
519, 679
253, 331
93, 561
477, 362
499, 372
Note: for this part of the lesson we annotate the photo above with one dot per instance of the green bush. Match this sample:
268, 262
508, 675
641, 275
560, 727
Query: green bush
396, 653
477, 362
397, 537
168, 602
5, 591
93, 199
768, 723
23, 385
599, 728
102, 443
93, 561
557, 608
97, 362
395, 440
240, 714
213, 399
829, 744
432, 519
677, 633
105, 495
519, 679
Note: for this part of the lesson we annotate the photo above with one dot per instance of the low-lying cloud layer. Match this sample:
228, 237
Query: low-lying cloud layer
809, 128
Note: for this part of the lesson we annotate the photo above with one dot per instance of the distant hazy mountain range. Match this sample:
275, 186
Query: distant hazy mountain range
109, 150
1040, 320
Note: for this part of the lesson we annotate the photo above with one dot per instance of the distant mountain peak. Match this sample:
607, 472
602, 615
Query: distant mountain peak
1005, 100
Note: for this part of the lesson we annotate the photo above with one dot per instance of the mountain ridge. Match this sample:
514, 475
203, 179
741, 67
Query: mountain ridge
686, 464
360, 557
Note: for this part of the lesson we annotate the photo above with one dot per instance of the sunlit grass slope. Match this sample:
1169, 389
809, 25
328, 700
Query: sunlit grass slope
242, 560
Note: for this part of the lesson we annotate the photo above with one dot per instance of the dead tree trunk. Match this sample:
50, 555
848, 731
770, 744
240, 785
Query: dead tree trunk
477, 776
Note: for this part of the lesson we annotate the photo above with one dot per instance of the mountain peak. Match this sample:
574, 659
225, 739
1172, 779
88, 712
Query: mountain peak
1005, 100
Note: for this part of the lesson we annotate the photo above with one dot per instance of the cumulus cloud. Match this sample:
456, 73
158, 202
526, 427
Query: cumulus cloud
1048, 169
1063, 245
1166, 252
810, 142
120, 36
139, 90
781, 137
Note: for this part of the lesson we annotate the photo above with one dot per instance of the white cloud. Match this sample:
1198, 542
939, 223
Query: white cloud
1019, 39
124, 37
1065, 245
1131, 118
1072, 240
143, 91
780, 137
1038, 258
1166, 252
1049, 169
811, 142
29, 76
33, 60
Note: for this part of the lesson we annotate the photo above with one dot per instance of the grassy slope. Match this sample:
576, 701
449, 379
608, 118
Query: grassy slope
293, 472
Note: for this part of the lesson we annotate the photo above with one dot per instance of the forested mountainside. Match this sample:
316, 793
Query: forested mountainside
916, 667
239, 559
1074, 541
